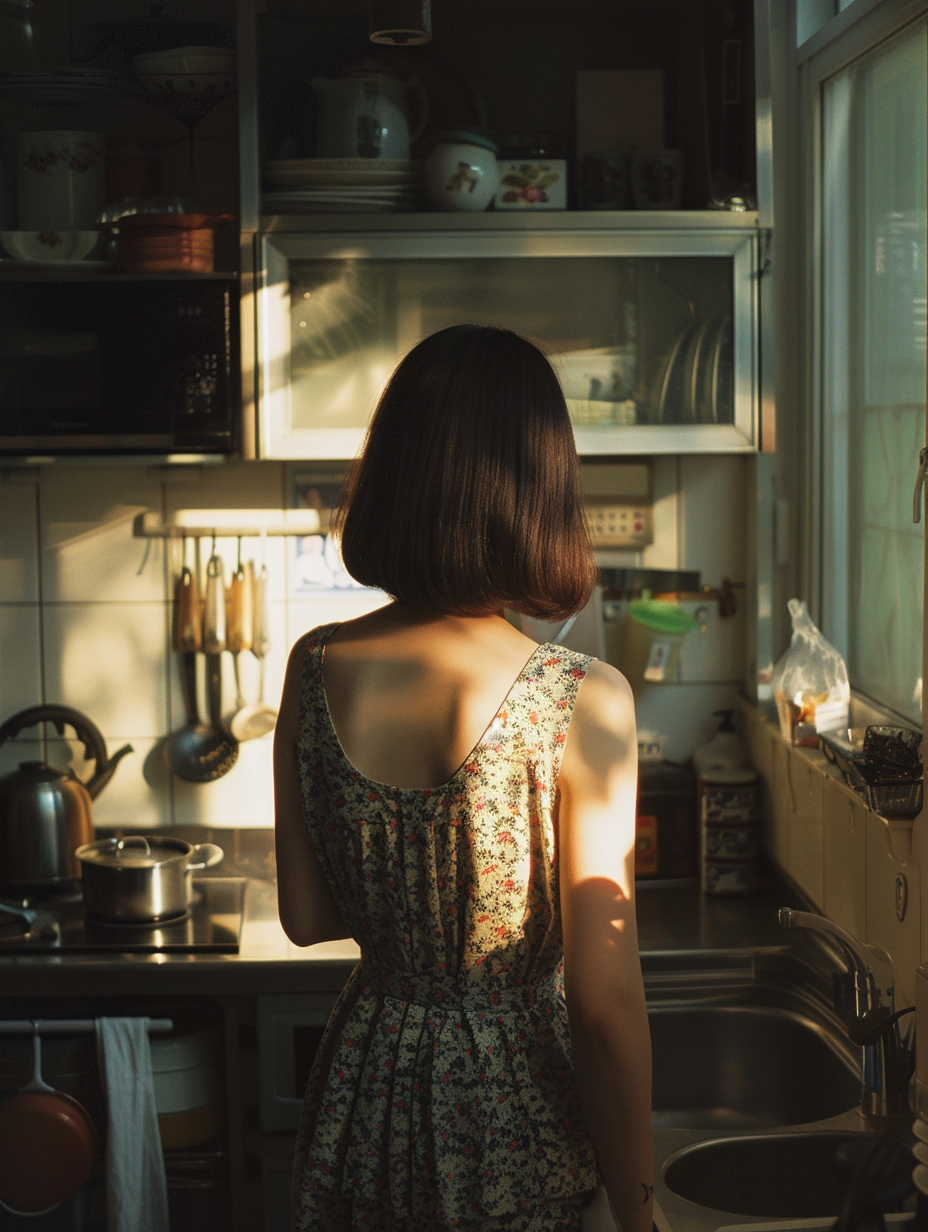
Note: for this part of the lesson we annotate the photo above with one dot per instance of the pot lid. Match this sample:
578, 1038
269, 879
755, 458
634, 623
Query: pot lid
136, 851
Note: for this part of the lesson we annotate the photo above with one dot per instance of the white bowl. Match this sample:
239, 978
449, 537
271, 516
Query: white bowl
49, 246
185, 60
188, 83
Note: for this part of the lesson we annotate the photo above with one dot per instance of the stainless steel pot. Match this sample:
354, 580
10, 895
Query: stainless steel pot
141, 880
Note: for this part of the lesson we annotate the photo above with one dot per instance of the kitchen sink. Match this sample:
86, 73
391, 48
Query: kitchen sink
746, 1066
783, 1176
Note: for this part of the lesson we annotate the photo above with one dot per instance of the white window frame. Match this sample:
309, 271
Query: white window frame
858, 29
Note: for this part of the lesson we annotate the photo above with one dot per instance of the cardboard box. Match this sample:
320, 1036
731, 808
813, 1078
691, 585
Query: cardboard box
619, 109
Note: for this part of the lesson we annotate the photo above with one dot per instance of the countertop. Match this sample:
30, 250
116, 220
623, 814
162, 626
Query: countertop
673, 917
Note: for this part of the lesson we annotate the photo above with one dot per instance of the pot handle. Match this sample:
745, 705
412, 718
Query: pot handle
204, 855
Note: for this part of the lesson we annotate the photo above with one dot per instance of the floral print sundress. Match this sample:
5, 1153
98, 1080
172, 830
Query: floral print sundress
442, 1094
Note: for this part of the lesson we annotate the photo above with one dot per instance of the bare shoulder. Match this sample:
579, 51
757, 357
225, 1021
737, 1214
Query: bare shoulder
602, 736
605, 697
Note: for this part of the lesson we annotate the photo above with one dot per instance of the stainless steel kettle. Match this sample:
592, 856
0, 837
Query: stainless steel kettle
45, 813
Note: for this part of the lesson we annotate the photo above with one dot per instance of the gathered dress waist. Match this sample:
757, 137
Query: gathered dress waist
435, 991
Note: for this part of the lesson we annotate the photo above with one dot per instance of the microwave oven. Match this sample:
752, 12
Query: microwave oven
118, 364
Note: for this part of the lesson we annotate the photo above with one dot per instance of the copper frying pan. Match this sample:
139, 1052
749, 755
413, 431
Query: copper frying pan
47, 1145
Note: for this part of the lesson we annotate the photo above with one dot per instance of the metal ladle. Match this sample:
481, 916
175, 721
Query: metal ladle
198, 752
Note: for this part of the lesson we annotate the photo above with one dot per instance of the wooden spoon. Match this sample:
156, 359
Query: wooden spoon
197, 752
239, 624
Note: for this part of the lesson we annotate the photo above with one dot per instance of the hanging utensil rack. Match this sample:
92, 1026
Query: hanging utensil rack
150, 526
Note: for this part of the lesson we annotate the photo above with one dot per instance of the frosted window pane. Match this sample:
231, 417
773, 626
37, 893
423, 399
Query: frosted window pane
873, 350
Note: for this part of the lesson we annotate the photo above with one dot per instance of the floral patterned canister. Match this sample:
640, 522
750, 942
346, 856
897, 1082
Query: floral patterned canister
729, 833
59, 180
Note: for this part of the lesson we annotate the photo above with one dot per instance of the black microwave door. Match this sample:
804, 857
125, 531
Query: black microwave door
167, 368
133, 366
51, 382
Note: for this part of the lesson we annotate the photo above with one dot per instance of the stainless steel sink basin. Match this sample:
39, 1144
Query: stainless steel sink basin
782, 1176
747, 1066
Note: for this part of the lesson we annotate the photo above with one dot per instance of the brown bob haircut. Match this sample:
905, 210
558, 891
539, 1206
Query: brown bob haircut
466, 496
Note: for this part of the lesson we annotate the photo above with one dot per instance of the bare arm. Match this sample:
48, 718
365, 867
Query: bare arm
307, 909
604, 989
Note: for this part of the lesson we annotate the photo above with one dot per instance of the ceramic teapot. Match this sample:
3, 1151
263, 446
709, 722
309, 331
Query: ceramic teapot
45, 814
363, 113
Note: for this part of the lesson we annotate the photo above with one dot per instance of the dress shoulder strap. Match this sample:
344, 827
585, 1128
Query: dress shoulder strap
546, 702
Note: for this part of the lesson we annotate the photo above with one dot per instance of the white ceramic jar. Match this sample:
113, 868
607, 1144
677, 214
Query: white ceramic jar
59, 180
462, 173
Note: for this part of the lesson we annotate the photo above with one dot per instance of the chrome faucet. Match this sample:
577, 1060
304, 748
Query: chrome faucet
863, 998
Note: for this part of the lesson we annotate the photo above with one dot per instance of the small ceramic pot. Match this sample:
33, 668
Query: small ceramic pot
462, 173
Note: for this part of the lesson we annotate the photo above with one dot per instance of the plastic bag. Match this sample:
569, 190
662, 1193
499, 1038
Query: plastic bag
810, 683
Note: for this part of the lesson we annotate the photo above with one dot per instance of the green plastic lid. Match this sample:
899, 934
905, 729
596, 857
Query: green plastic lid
661, 616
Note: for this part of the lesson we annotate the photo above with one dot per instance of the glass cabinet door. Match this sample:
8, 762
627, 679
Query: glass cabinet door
652, 337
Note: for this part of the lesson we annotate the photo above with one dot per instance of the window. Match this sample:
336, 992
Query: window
871, 229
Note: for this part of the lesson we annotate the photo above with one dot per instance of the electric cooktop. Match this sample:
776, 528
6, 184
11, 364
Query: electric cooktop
212, 924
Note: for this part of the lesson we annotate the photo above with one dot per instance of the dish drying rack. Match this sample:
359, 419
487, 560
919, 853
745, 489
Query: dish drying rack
886, 771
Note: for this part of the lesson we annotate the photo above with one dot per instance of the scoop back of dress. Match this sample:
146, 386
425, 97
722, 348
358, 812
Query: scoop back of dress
442, 1091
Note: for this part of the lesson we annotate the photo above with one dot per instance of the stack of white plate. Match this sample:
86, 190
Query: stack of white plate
920, 1151
342, 185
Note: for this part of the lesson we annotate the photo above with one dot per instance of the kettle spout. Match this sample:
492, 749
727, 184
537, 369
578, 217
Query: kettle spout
99, 780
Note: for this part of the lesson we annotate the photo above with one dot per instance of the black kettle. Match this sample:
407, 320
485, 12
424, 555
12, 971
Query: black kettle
45, 814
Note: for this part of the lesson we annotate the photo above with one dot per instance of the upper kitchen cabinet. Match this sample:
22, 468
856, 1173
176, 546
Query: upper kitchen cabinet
109, 108
640, 280
652, 331
119, 245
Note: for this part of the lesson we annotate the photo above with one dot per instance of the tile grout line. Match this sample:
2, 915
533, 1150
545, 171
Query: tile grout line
41, 595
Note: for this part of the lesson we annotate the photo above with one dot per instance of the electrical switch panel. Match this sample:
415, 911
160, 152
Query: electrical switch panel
620, 523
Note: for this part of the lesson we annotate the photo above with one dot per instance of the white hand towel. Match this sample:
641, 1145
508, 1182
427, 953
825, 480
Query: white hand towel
136, 1190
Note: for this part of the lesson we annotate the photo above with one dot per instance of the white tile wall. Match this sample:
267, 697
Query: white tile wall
89, 554
681, 713
839, 852
900, 938
19, 543
109, 661
139, 793
90, 626
20, 657
803, 807
85, 620
12, 752
243, 797
710, 489
844, 824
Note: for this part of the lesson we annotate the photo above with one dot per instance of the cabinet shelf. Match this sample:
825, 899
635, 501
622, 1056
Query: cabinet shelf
49, 273
679, 222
